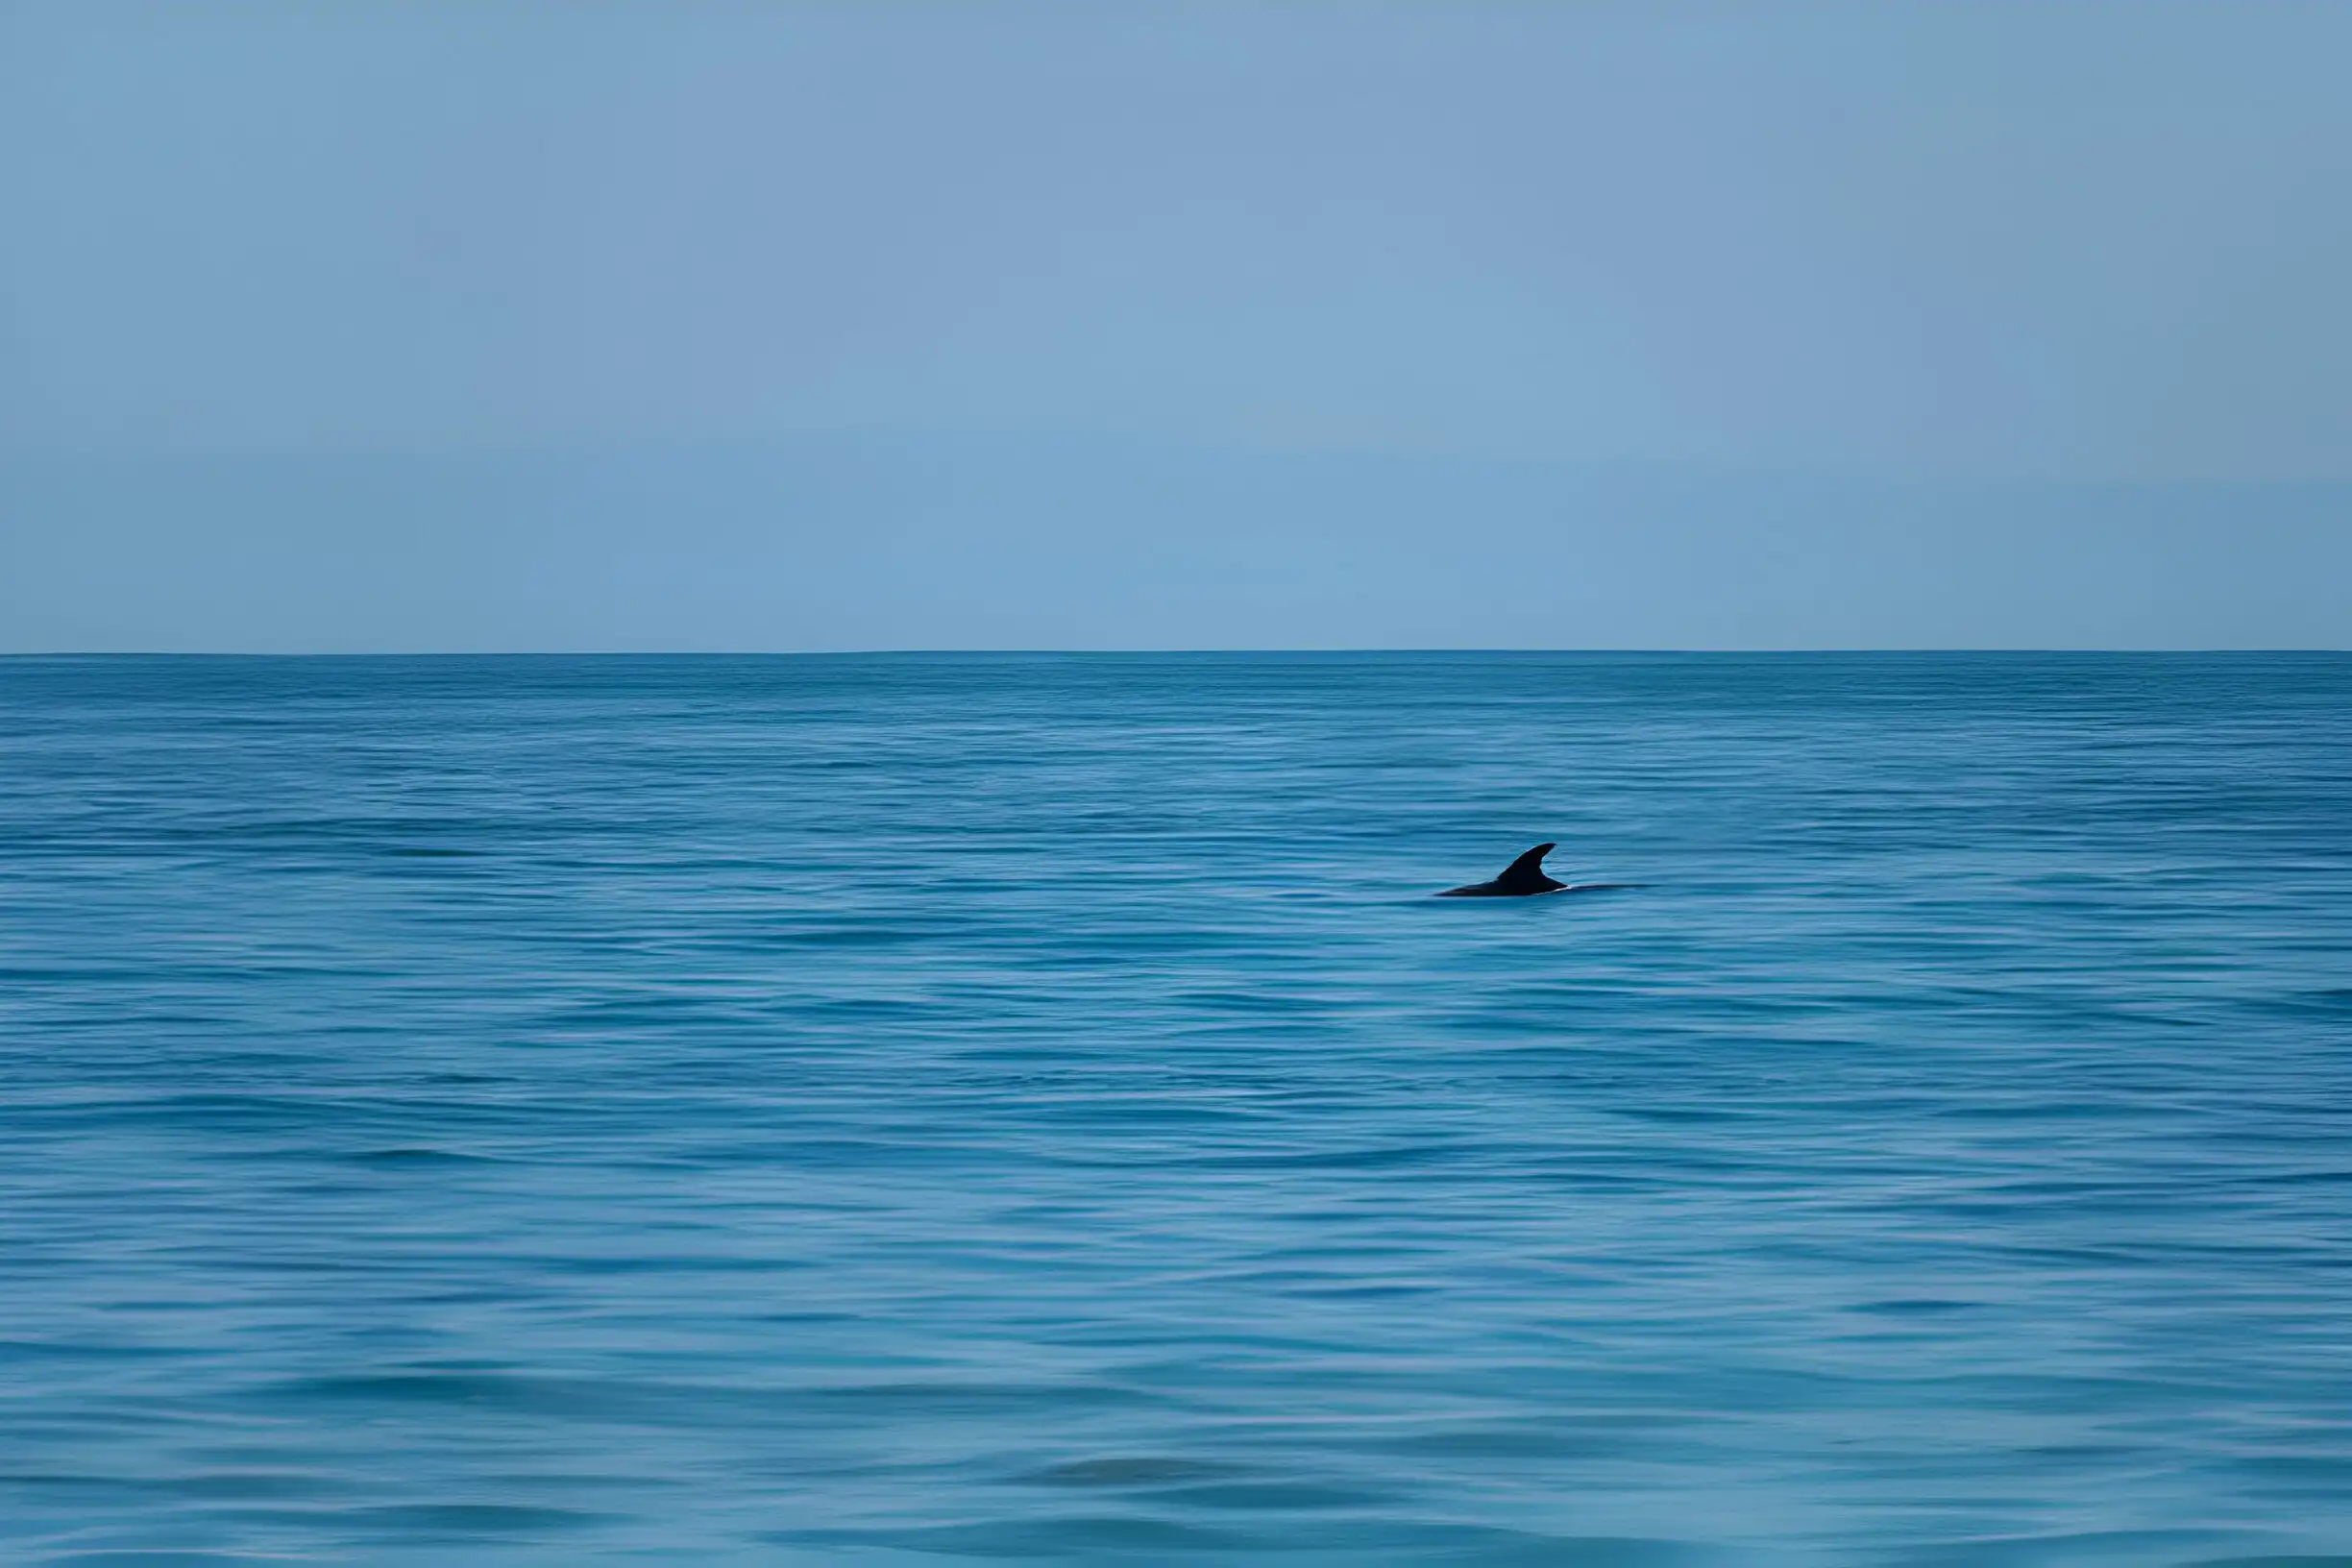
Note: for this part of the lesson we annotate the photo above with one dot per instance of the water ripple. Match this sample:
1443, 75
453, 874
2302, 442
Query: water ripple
1029, 1109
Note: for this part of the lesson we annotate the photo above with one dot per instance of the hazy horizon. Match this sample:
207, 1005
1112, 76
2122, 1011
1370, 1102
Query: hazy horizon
523, 325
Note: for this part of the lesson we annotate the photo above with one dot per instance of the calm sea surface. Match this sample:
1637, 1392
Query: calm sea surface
924, 1108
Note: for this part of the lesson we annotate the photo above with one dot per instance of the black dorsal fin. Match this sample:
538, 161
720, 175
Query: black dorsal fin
1528, 869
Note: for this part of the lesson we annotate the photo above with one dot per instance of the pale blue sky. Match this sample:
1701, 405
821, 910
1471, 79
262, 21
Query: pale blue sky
595, 324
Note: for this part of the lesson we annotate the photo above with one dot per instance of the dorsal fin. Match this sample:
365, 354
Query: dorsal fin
1526, 869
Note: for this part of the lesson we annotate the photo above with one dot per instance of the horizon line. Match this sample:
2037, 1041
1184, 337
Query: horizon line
1660, 651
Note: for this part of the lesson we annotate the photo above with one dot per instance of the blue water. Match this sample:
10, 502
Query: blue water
1020, 1109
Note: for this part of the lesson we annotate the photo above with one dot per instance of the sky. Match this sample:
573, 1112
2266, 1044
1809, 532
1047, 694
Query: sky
712, 324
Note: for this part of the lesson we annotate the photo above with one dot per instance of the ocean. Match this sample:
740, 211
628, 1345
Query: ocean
926, 1109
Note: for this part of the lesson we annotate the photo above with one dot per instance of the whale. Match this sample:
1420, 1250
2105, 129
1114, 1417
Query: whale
1522, 878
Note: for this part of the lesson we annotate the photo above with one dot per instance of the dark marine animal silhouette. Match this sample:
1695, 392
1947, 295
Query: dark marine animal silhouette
1522, 878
